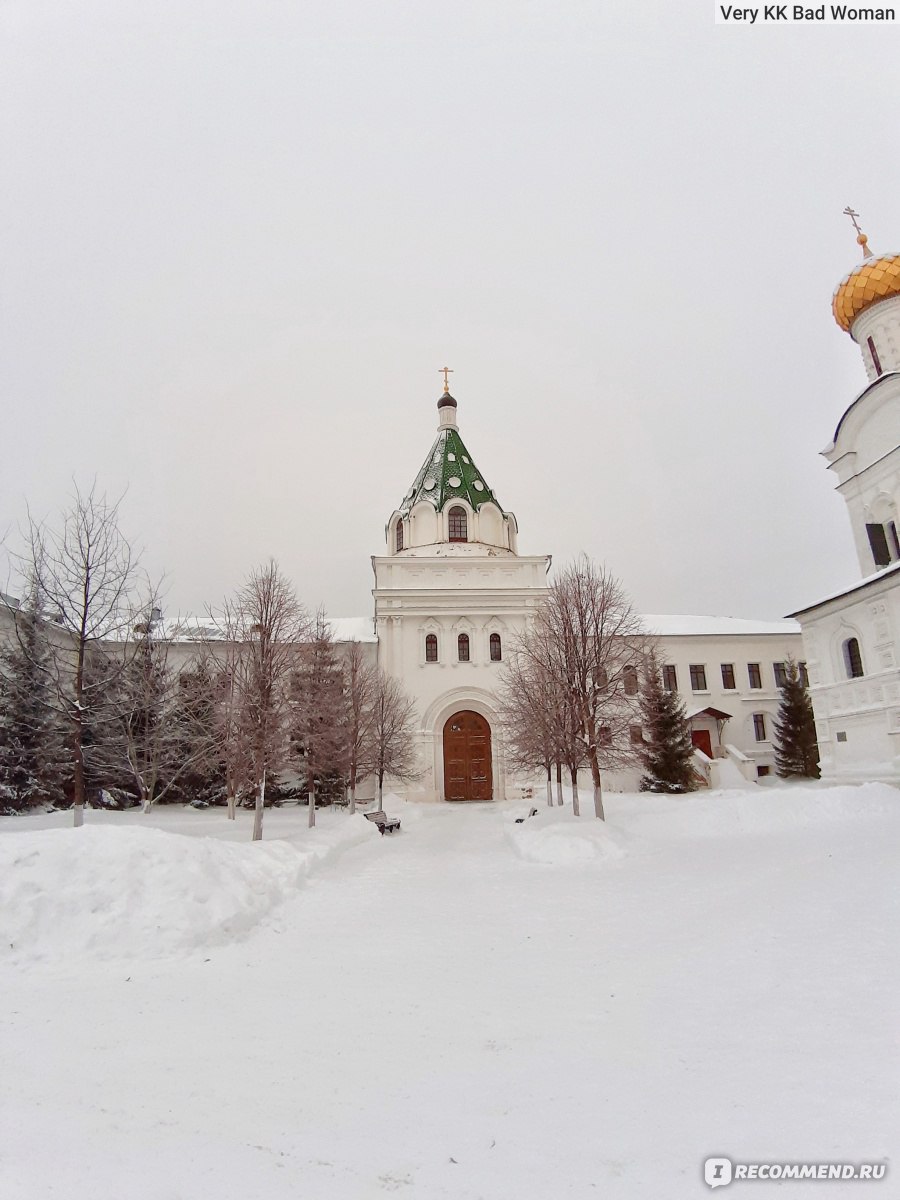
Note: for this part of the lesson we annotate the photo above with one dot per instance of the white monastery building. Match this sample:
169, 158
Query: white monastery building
452, 592
851, 639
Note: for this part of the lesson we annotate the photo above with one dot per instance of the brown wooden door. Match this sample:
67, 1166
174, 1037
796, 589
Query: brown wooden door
702, 740
467, 758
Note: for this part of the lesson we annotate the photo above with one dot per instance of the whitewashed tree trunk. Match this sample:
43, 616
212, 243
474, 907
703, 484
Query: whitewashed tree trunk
380, 793
260, 806
79, 815
576, 803
353, 797
549, 787
230, 806
311, 795
598, 802
559, 791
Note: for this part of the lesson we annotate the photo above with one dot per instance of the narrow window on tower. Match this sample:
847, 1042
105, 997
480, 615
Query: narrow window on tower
431, 648
496, 648
804, 674
895, 539
399, 536
876, 361
462, 644
881, 551
853, 659
458, 526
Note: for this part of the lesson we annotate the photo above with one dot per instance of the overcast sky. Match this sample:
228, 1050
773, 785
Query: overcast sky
238, 240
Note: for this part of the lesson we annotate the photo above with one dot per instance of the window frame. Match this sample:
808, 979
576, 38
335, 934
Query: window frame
431, 643
495, 642
458, 515
398, 536
670, 677
631, 683
754, 676
779, 671
697, 672
853, 660
463, 643
726, 686
759, 727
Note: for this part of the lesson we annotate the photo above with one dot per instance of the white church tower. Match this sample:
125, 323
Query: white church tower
451, 594
852, 639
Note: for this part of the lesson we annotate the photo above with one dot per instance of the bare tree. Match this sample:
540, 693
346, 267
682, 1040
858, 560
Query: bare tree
393, 729
360, 684
272, 626
526, 709
592, 643
320, 723
87, 571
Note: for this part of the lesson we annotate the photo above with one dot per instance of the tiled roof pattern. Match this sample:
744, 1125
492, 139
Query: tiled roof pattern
448, 473
873, 280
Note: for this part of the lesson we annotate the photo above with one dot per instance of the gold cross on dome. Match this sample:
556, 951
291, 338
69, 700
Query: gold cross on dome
860, 236
445, 371
848, 212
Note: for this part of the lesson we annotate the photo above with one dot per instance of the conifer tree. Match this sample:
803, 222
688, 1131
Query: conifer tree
667, 748
31, 751
796, 749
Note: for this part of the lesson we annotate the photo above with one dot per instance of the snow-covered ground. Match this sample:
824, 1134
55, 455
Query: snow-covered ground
470, 1008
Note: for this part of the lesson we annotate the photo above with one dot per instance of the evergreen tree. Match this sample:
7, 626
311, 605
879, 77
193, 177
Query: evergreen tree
31, 751
320, 727
667, 748
796, 749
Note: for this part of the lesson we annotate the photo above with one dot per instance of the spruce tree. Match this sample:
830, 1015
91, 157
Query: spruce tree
667, 747
31, 751
796, 749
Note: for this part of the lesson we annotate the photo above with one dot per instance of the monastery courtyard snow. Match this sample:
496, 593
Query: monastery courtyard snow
469, 1008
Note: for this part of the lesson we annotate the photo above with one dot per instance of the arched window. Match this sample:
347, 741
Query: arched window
853, 659
496, 648
630, 680
462, 644
431, 648
399, 535
458, 524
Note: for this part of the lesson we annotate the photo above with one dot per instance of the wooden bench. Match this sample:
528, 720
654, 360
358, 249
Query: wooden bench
385, 823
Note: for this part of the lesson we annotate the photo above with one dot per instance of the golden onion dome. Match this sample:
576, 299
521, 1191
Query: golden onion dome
876, 278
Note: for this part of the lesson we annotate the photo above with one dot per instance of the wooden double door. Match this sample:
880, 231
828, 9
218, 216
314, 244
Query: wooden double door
467, 758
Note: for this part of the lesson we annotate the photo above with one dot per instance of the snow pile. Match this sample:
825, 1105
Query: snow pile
557, 838
139, 893
756, 811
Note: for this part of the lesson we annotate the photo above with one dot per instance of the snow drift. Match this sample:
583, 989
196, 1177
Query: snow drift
139, 893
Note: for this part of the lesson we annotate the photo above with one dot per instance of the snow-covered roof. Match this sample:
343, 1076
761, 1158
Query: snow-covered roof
883, 573
353, 629
673, 625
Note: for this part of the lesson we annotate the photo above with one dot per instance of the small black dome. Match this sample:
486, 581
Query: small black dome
446, 401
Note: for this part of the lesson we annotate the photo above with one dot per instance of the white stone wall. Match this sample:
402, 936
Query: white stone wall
857, 720
881, 322
866, 458
464, 590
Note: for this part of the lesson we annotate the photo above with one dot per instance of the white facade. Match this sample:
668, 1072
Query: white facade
432, 586
852, 639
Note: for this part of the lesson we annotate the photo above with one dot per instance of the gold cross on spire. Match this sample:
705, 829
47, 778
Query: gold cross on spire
860, 236
445, 371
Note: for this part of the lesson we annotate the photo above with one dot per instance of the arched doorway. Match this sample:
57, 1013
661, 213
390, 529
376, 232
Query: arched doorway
468, 773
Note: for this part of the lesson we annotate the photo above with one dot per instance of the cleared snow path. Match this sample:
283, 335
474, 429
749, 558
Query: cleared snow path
473, 1009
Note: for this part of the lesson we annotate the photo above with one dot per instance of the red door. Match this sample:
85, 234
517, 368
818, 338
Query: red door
703, 741
467, 758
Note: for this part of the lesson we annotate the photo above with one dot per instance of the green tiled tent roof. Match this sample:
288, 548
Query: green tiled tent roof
448, 473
